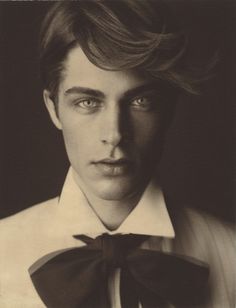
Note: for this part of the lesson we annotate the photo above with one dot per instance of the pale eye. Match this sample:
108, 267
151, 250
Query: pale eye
87, 103
142, 103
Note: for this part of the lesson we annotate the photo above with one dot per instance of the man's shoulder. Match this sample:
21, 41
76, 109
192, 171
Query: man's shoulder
206, 229
203, 222
35, 214
205, 237
24, 237
200, 233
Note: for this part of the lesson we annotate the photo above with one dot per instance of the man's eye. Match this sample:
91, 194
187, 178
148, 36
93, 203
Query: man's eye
142, 103
87, 103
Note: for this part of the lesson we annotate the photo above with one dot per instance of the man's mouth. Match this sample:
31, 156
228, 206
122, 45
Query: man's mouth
113, 167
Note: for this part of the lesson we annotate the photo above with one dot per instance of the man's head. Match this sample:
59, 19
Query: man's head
111, 70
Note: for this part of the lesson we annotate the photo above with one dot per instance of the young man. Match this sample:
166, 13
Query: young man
112, 71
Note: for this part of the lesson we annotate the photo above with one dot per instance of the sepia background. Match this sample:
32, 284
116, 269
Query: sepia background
197, 168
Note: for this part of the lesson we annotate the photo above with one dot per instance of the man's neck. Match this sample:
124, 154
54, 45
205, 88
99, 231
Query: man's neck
112, 212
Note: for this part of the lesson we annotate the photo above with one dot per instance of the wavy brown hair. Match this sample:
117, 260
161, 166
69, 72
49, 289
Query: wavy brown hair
117, 35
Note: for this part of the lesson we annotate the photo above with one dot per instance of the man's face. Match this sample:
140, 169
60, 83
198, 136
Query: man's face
111, 126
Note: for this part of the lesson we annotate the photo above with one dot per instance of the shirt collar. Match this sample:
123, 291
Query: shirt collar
150, 216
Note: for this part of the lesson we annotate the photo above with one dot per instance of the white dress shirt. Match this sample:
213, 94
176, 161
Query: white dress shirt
49, 227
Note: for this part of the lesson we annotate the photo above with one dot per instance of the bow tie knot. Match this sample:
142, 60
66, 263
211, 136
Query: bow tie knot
114, 248
113, 254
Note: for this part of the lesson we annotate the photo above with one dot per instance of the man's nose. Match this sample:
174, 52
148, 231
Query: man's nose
112, 126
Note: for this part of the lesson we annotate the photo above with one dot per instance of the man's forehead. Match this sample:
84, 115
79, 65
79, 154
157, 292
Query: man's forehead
80, 73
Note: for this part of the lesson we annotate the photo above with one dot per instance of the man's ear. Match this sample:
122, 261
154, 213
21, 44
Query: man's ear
51, 109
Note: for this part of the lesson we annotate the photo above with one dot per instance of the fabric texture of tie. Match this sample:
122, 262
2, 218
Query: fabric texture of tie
79, 277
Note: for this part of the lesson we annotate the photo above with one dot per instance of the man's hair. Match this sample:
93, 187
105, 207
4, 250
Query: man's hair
115, 35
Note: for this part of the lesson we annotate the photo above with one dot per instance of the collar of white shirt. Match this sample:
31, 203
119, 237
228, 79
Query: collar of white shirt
150, 216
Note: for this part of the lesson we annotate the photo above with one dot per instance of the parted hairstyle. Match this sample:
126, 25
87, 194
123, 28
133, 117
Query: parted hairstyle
115, 35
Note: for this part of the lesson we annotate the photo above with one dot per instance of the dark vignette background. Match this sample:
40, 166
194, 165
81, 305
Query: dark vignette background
198, 165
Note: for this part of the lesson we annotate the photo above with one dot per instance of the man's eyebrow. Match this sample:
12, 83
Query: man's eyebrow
83, 90
152, 86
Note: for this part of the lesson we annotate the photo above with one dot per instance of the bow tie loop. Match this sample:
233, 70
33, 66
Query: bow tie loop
79, 277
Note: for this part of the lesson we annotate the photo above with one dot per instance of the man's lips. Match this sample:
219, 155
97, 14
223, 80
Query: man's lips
113, 167
111, 161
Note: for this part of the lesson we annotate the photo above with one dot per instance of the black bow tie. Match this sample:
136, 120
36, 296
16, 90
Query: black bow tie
78, 277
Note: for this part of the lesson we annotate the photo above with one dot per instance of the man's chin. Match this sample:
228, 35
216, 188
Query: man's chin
115, 191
